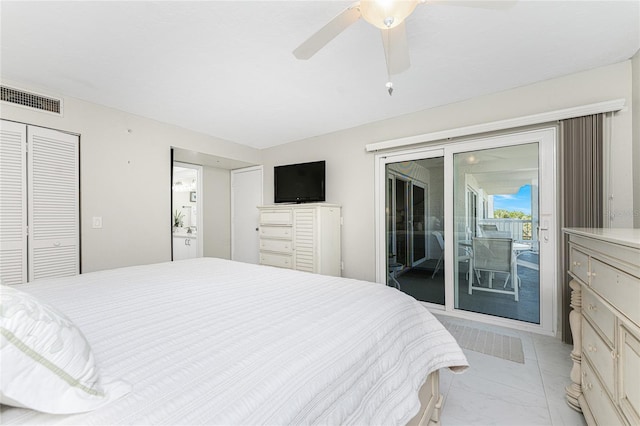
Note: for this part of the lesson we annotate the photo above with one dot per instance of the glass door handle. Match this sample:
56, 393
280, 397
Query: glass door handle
543, 227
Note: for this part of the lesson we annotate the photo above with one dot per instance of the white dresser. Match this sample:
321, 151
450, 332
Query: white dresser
305, 237
604, 265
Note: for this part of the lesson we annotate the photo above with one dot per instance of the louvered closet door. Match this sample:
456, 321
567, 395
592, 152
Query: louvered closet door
304, 239
53, 209
13, 203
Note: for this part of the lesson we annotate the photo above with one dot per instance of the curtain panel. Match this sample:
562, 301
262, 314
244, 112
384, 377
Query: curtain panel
581, 202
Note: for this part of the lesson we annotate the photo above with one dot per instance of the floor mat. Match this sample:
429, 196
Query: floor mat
487, 342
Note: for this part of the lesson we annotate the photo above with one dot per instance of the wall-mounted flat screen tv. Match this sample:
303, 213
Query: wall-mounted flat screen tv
299, 183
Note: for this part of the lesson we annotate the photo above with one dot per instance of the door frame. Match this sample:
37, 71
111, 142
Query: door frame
380, 182
199, 204
424, 187
406, 222
394, 176
547, 139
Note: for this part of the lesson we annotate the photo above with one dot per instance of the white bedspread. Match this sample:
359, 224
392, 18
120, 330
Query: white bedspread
210, 341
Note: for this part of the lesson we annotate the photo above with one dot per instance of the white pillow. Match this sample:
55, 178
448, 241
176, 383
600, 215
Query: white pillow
46, 362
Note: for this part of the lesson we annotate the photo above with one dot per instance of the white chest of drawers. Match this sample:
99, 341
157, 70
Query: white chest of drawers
305, 237
604, 265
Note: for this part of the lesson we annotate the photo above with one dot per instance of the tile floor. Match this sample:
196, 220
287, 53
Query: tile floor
494, 391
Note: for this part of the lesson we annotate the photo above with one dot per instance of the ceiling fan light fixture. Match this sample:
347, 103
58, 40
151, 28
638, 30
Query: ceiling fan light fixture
386, 14
389, 87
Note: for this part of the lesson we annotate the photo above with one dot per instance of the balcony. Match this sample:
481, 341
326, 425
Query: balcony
520, 230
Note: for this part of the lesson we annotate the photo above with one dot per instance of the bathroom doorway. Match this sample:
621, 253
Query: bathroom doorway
186, 211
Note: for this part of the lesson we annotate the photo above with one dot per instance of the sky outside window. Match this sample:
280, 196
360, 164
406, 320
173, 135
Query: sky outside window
521, 201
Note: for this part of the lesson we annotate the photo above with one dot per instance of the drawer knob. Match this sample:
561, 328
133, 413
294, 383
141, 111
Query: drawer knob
615, 355
592, 307
576, 263
588, 386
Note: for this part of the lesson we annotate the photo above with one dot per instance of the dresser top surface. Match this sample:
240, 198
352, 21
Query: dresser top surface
297, 205
625, 236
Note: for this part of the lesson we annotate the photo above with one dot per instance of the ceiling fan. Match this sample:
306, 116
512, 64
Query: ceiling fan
387, 15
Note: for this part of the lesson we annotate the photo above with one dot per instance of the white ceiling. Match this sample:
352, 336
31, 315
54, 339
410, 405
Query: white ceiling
225, 68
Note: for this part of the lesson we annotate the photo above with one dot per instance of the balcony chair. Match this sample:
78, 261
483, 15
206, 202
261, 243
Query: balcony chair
494, 255
463, 255
393, 268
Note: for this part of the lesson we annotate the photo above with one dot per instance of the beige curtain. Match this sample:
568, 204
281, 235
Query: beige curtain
581, 152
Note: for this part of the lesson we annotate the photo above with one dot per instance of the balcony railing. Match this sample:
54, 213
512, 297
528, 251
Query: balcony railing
519, 229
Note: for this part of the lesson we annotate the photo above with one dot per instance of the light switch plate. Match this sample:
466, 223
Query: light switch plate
97, 222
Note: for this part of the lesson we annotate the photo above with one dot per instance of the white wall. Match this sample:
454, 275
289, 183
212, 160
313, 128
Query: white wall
217, 208
350, 170
124, 177
137, 220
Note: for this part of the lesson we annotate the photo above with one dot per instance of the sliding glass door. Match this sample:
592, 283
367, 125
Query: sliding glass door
496, 242
414, 206
470, 227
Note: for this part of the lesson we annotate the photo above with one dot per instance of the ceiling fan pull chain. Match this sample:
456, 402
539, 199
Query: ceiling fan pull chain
389, 84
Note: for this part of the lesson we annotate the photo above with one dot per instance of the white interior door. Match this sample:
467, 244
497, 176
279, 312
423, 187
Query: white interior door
13, 203
246, 196
39, 203
53, 211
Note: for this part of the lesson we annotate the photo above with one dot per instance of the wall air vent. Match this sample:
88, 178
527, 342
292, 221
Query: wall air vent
31, 100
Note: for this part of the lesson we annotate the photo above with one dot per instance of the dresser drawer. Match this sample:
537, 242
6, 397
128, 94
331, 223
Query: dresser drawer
599, 314
579, 265
618, 288
600, 405
282, 246
629, 373
283, 232
279, 260
597, 351
276, 217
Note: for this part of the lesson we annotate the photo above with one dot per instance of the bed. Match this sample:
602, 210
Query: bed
212, 341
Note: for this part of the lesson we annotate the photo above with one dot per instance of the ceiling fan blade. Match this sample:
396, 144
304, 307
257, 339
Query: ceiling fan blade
480, 4
327, 33
396, 49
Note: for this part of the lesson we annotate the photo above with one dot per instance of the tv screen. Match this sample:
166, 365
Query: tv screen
299, 183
